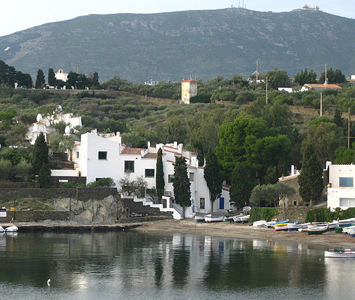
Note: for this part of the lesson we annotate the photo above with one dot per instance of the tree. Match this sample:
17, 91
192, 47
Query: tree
213, 176
44, 176
40, 79
133, 187
5, 168
277, 78
306, 76
310, 180
270, 194
333, 76
159, 178
40, 162
243, 181
52, 81
181, 184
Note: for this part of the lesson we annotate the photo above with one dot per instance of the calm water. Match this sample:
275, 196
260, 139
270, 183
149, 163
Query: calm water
145, 266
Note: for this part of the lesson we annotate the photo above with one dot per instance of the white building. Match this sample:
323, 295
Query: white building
105, 156
188, 90
44, 125
341, 189
60, 75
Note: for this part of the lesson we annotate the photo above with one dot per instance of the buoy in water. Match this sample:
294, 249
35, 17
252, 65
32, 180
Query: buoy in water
49, 282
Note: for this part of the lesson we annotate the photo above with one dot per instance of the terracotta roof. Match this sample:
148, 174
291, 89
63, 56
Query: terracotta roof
322, 86
189, 80
132, 151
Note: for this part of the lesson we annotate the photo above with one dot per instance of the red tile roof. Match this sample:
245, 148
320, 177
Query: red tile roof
136, 151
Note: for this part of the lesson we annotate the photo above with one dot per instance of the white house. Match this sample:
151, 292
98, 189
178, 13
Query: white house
341, 189
44, 125
105, 156
60, 75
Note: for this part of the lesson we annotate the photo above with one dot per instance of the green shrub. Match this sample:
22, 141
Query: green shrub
103, 182
325, 215
262, 213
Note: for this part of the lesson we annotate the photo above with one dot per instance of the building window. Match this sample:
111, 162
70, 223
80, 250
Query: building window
347, 202
345, 182
191, 176
202, 203
102, 155
77, 154
171, 178
149, 172
129, 166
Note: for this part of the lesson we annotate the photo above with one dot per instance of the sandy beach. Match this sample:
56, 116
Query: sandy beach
231, 230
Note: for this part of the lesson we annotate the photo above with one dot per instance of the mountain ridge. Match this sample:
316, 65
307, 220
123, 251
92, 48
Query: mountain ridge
173, 45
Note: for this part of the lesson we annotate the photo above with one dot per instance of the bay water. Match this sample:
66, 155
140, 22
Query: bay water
131, 265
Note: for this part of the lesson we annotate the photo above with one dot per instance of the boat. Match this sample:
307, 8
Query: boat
241, 219
228, 219
339, 253
12, 228
1, 230
261, 223
199, 219
317, 228
281, 227
297, 226
210, 219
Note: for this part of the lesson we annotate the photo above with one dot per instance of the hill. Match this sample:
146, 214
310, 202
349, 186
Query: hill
169, 46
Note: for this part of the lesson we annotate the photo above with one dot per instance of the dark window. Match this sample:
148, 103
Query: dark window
129, 166
77, 154
102, 155
345, 182
171, 178
202, 203
149, 172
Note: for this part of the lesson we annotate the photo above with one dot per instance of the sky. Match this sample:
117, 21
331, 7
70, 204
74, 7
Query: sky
24, 14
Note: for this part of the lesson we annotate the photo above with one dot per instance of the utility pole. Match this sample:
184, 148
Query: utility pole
321, 105
349, 128
325, 76
266, 98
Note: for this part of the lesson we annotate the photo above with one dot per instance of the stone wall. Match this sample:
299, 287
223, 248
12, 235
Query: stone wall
81, 205
293, 214
81, 194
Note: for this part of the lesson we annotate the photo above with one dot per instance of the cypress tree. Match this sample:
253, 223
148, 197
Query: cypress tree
159, 179
40, 161
181, 184
40, 80
52, 81
213, 176
311, 178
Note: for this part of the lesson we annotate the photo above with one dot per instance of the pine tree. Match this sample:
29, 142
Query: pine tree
213, 176
310, 180
181, 184
159, 179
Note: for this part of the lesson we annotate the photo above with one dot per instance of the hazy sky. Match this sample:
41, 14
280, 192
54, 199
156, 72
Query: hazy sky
24, 14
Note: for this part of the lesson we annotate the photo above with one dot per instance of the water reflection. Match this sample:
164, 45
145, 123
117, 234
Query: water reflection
146, 265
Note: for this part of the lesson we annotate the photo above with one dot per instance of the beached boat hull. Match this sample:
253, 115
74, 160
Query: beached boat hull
199, 219
213, 219
11, 229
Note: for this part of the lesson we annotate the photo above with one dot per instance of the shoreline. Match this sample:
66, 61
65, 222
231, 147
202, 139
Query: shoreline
239, 231
190, 226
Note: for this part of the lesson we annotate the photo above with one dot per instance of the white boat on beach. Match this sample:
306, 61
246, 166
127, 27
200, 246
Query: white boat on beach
210, 219
339, 253
12, 228
241, 219
261, 223
1, 230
